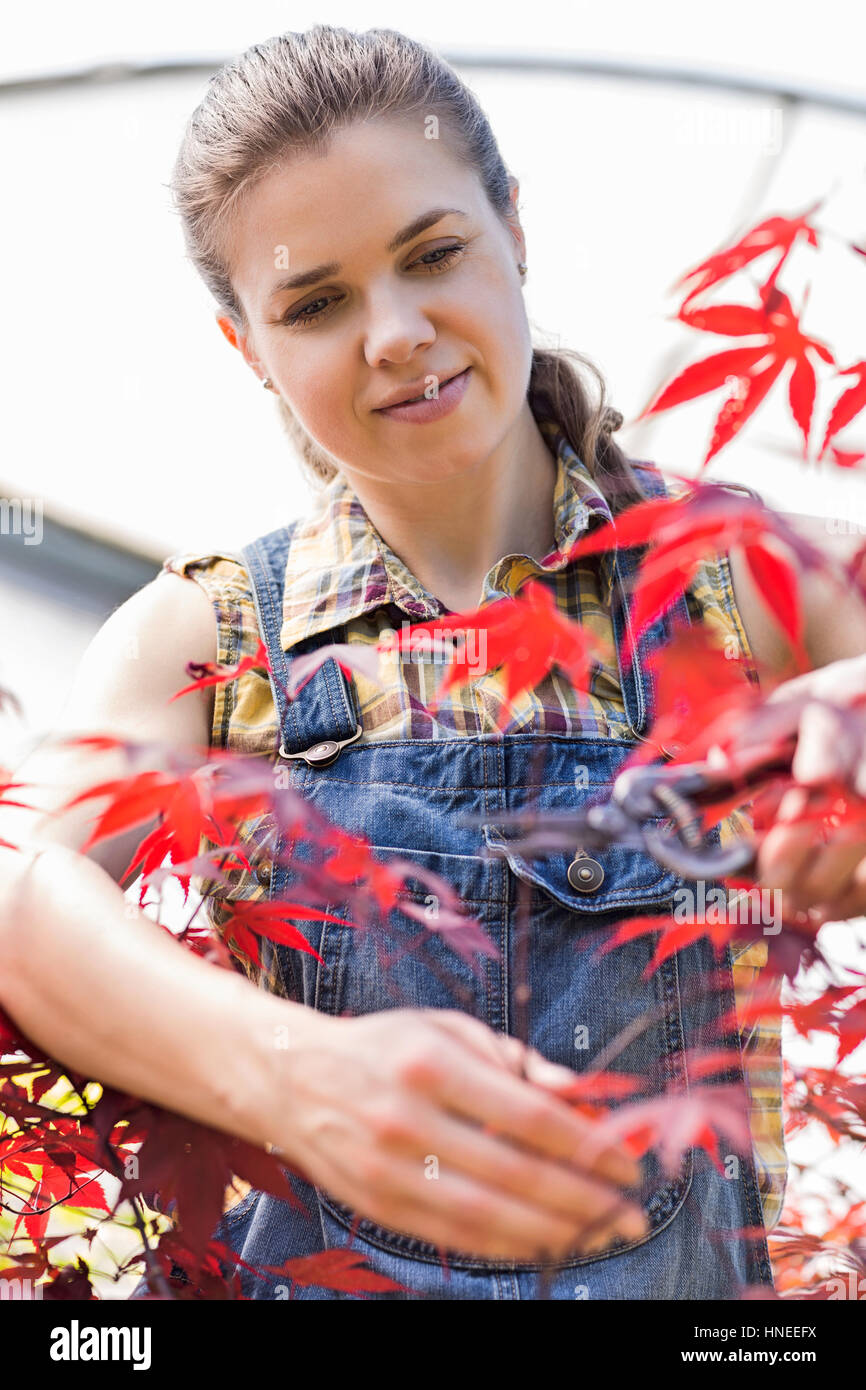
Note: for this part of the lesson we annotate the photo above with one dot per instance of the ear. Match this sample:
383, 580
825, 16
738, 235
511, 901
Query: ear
513, 217
239, 341
227, 328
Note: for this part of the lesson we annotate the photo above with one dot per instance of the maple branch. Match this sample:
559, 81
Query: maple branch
41, 1211
156, 1280
181, 935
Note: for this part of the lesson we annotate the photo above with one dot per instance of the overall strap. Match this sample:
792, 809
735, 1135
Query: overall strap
638, 685
324, 715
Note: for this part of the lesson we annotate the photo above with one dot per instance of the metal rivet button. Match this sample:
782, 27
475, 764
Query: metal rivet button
321, 750
585, 874
264, 870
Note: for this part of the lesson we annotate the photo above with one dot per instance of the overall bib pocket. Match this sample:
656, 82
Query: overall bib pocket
425, 952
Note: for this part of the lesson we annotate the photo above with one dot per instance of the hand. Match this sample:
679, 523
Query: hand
520, 1174
819, 871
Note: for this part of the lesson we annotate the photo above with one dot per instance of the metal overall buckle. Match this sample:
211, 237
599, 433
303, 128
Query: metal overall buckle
325, 752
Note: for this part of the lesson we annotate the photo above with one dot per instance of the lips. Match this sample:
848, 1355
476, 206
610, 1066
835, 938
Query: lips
420, 396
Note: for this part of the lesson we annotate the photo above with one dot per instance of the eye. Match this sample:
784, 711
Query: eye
300, 318
449, 255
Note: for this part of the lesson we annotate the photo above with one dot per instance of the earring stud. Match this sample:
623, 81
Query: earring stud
268, 384
521, 267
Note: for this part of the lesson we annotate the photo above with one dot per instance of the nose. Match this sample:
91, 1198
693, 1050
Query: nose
397, 326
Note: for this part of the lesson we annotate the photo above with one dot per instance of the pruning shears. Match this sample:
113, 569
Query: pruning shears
658, 808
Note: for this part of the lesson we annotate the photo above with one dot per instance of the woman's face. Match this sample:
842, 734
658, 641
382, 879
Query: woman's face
366, 319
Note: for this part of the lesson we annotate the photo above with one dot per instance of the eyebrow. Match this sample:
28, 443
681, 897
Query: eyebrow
321, 272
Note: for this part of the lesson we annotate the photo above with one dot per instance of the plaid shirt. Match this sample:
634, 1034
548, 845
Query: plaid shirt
341, 571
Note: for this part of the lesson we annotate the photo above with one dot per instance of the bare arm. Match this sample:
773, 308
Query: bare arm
83, 972
835, 621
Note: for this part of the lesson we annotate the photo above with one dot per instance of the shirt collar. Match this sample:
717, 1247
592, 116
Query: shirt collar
339, 567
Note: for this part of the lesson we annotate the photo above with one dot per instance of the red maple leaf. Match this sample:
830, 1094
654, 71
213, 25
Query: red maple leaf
836, 1101
271, 920
847, 458
774, 233
191, 1164
754, 368
188, 805
56, 1184
345, 1270
674, 1122
526, 634
352, 859
673, 936
846, 409
683, 531
210, 673
835, 1012
699, 690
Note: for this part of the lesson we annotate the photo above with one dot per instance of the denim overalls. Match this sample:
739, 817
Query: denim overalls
408, 797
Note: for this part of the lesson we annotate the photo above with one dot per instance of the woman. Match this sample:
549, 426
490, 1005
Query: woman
344, 199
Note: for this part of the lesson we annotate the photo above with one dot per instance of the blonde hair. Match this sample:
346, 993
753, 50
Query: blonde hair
292, 93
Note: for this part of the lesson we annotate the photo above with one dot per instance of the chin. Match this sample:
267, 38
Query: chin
452, 465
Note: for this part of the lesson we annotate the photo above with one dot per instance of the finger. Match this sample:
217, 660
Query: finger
469, 1215
495, 1046
520, 1058
533, 1066
793, 806
842, 681
827, 745
784, 854
850, 903
561, 1080
510, 1106
608, 1158
826, 876
532, 1178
